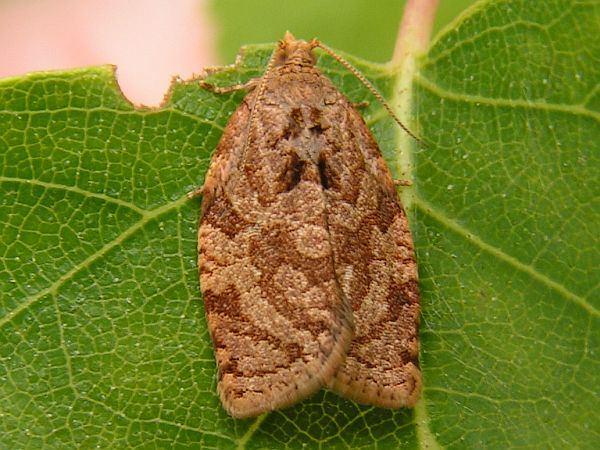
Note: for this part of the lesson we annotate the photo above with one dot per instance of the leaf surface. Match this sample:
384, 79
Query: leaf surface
506, 223
103, 339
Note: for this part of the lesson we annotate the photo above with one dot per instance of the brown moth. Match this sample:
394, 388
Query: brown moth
306, 260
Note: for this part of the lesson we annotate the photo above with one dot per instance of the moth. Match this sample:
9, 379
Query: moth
306, 261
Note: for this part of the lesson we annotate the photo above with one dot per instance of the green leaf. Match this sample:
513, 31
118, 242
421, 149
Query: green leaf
507, 226
103, 340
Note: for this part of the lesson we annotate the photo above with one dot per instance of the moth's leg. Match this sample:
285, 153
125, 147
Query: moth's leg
196, 192
402, 183
250, 84
360, 105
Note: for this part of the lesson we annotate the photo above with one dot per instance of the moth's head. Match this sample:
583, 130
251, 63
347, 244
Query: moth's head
293, 51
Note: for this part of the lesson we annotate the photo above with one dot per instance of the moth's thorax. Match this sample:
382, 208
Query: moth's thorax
292, 86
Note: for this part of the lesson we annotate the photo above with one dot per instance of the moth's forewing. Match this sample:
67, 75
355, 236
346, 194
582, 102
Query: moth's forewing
377, 270
279, 321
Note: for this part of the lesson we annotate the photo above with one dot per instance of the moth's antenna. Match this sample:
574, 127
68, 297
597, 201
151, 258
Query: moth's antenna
369, 86
259, 93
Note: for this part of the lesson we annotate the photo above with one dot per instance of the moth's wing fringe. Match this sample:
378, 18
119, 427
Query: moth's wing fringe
304, 387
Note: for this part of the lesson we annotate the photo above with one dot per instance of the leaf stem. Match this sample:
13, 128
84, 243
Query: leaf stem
412, 41
415, 29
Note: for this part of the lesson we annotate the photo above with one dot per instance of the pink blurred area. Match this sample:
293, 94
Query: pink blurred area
149, 41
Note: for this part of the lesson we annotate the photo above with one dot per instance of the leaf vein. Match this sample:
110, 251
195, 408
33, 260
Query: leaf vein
487, 398
251, 430
76, 190
53, 288
579, 110
180, 426
426, 437
442, 218
136, 112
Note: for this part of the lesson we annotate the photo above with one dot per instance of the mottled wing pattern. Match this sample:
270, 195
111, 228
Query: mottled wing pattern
375, 264
278, 318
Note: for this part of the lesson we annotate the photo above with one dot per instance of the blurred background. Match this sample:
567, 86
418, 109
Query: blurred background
150, 41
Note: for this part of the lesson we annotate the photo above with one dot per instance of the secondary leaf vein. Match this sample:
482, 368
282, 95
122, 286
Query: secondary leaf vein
147, 216
442, 218
76, 190
578, 110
